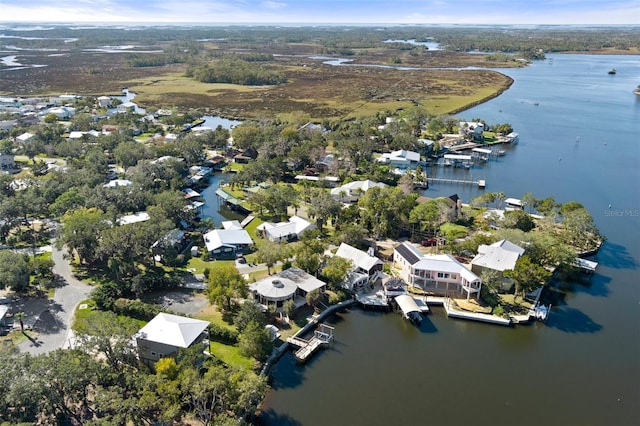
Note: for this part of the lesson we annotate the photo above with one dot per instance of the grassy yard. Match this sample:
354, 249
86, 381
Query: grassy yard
198, 264
231, 356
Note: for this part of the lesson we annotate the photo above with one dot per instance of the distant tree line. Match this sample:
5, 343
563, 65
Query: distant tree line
233, 70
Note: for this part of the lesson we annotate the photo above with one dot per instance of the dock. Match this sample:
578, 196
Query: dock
474, 316
481, 183
587, 266
322, 336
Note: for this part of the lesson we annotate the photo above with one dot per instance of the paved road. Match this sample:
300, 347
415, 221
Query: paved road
53, 316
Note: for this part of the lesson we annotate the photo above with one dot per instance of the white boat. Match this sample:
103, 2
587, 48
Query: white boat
542, 312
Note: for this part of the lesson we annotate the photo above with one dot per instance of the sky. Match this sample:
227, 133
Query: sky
556, 12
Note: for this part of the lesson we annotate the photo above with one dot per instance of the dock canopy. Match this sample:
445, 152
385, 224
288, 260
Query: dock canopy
407, 304
482, 150
457, 157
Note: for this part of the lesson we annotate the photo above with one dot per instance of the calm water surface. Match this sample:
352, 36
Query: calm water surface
580, 368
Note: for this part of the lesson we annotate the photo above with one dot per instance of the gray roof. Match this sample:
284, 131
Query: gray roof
499, 256
282, 285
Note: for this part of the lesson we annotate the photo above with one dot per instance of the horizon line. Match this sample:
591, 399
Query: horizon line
333, 24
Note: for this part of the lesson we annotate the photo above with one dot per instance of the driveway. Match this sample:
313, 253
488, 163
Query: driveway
51, 318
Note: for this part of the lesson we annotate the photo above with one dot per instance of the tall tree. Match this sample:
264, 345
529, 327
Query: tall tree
226, 284
271, 253
14, 271
81, 231
323, 207
527, 276
335, 271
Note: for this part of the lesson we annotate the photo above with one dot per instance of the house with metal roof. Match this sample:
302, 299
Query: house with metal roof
439, 274
290, 284
500, 256
286, 231
166, 334
226, 243
352, 191
364, 266
400, 158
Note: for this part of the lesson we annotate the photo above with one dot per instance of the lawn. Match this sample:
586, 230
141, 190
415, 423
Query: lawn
197, 264
231, 356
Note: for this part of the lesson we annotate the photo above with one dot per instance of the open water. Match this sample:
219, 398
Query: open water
580, 368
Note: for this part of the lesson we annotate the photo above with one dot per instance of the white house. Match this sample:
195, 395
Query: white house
115, 183
165, 334
104, 101
364, 266
63, 112
513, 204
226, 243
286, 231
439, 274
402, 158
24, 137
352, 191
290, 284
134, 218
500, 256
364, 262
471, 128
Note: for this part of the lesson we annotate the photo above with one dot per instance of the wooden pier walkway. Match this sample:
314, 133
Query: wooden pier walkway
481, 183
321, 337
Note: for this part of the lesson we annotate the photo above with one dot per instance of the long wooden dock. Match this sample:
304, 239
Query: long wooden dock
481, 183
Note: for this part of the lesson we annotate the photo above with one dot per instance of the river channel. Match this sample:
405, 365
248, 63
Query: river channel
579, 140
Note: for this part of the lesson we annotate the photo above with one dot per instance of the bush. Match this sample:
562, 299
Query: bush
499, 311
136, 309
224, 335
338, 297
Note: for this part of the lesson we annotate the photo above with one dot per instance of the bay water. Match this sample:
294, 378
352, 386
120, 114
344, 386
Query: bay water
579, 140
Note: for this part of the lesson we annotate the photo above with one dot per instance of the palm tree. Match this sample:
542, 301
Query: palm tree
20, 316
500, 197
313, 297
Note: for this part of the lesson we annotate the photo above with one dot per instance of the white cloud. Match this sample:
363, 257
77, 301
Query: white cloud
273, 5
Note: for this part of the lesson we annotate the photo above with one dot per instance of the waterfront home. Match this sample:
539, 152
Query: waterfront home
166, 334
104, 101
363, 262
365, 265
439, 274
513, 204
471, 129
500, 256
290, 284
352, 191
286, 231
427, 145
402, 159
227, 243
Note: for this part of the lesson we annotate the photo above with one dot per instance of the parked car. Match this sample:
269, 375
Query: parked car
429, 242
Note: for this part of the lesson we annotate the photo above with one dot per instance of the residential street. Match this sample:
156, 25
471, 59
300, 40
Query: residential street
51, 318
